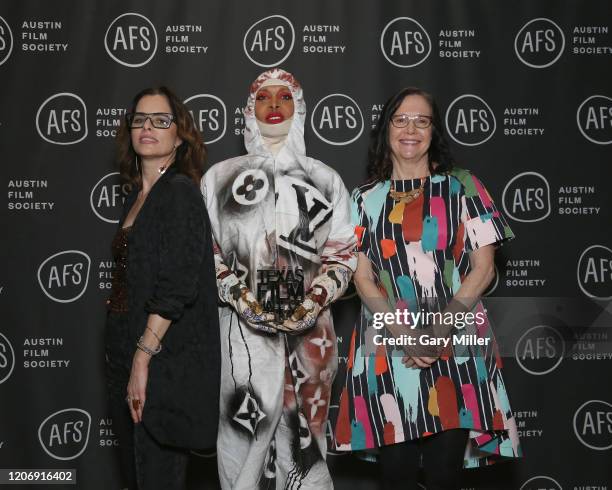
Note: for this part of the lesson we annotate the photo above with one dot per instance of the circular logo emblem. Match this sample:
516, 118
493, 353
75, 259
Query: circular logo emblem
6, 40
107, 196
594, 118
250, 187
595, 272
526, 197
337, 120
62, 119
64, 434
540, 483
63, 277
209, 115
593, 424
269, 41
469, 120
540, 350
539, 43
405, 43
131, 40
7, 359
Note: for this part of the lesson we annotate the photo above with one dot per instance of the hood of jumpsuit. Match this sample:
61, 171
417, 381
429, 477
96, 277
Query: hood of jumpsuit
294, 142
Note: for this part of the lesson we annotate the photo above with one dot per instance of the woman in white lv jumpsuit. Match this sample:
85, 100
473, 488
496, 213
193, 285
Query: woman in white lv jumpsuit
277, 209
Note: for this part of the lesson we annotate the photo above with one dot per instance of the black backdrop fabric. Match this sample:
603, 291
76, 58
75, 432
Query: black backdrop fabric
525, 90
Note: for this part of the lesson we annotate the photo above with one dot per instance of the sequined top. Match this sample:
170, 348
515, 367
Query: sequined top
117, 301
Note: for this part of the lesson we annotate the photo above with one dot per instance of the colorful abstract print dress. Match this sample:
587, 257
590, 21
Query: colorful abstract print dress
420, 255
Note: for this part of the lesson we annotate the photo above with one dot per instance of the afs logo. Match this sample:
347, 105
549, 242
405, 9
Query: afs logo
209, 115
469, 120
64, 434
63, 277
539, 43
526, 197
337, 120
131, 40
593, 424
595, 272
405, 42
7, 359
269, 41
107, 197
541, 483
62, 119
6, 40
540, 350
594, 118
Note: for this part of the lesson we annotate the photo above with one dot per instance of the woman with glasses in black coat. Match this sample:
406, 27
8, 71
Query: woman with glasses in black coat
162, 337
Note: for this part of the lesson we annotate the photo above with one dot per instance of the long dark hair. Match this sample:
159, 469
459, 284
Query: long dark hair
190, 155
379, 153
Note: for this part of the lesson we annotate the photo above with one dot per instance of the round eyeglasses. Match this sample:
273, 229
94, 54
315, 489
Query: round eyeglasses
159, 120
402, 120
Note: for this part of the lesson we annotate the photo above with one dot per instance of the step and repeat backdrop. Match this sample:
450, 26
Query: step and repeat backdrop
525, 90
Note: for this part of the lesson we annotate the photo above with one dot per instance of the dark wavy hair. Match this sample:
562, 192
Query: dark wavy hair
379, 153
190, 155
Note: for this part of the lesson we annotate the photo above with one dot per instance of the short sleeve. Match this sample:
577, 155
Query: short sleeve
360, 222
483, 223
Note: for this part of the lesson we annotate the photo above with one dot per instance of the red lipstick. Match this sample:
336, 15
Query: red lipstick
274, 118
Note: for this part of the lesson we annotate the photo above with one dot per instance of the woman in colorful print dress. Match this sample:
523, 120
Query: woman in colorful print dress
426, 234
281, 223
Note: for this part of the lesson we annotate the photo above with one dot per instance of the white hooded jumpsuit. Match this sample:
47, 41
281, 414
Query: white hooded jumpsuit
280, 211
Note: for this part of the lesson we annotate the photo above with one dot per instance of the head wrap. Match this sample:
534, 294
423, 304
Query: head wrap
274, 135
263, 138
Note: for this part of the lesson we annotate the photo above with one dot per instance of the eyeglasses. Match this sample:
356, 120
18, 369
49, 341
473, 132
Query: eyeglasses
402, 120
159, 120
